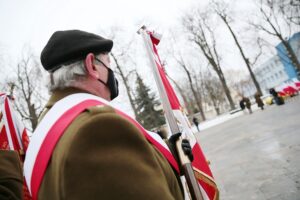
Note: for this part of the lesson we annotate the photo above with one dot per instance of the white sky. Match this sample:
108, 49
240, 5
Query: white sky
32, 22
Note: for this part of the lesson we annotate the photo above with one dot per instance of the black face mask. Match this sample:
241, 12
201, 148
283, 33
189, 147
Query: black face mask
112, 82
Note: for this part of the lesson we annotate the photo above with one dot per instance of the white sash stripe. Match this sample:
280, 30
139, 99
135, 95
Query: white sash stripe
16, 124
158, 139
43, 128
49, 120
10, 143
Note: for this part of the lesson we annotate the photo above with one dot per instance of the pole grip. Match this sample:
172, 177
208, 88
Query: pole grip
188, 171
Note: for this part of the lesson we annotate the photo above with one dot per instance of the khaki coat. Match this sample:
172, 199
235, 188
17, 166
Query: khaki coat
101, 155
11, 176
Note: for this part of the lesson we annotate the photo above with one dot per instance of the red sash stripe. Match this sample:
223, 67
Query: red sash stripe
165, 152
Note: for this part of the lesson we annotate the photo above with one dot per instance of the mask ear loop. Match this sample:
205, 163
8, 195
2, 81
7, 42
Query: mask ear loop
100, 61
102, 82
110, 70
105, 67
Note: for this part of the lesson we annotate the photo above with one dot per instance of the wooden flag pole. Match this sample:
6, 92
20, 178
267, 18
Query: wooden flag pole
185, 163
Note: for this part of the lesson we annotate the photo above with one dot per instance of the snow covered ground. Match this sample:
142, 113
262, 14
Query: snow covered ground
222, 118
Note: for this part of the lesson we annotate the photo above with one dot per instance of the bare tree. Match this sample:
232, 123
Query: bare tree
121, 58
191, 101
183, 95
197, 95
290, 9
29, 91
273, 24
2, 69
221, 10
195, 23
125, 79
214, 91
193, 92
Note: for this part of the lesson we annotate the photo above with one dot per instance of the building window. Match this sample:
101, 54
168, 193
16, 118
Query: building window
280, 73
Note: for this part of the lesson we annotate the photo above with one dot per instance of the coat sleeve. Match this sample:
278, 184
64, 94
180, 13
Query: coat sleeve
110, 159
11, 178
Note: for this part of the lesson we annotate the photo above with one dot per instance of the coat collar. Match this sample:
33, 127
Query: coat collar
60, 94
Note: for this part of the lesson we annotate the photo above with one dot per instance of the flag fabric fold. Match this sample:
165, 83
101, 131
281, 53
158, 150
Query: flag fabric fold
13, 130
3, 136
201, 169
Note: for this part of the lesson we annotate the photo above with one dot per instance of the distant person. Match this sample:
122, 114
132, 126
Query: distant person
278, 100
273, 92
258, 100
196, 122
248, 104
242, 104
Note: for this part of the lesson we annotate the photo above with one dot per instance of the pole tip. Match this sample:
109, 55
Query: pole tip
142, 28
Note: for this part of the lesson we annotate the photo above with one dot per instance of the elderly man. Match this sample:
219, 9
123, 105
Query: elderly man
101, 153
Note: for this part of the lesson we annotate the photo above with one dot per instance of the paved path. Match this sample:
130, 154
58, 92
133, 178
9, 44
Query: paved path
257, 156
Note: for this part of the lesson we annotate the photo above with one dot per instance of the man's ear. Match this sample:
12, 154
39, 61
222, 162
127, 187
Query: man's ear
90, 66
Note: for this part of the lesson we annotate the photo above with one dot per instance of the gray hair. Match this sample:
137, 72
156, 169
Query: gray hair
65, 75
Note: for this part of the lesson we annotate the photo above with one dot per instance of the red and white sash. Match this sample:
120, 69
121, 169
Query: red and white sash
52, 127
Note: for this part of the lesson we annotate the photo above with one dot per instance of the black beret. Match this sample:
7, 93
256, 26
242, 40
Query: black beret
72, 45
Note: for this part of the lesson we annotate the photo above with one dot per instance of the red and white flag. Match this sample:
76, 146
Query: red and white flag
3, 137
13, 133
200, 164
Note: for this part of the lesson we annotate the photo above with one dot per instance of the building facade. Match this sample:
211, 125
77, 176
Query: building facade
271, 74
282, 53
279, 70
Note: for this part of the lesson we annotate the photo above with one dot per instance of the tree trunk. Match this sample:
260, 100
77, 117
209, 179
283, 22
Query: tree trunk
246, 60
220, 74
33, 116
292, 56
209, 52
226, 90
198, 100
186, 104
214, 104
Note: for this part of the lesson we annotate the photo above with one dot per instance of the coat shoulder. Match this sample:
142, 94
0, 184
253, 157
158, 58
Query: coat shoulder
11, 177
111, 156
